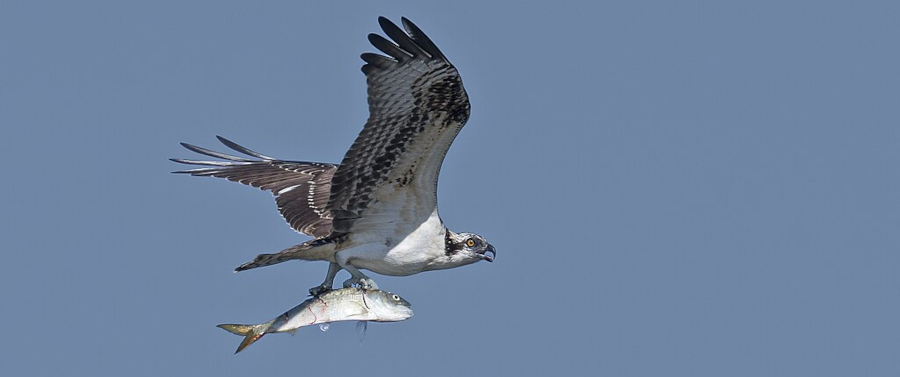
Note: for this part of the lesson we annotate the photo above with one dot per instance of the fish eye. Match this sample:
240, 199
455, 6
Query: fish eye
470, 242
395, 297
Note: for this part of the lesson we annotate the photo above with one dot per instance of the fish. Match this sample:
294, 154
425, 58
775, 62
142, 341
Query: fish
347, 304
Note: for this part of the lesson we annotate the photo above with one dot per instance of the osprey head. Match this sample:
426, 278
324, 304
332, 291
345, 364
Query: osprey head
468, 248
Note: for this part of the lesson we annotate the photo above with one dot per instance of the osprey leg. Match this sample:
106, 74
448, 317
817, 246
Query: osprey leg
358, 278
327, 285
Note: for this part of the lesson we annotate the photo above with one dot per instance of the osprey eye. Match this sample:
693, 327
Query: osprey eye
470, 242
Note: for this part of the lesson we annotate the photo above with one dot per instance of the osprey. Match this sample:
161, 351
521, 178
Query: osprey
376, 210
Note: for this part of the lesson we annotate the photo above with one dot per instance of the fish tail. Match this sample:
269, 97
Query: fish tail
251, 333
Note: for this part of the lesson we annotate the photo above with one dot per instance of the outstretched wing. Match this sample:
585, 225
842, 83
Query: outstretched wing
301, 189
417, 105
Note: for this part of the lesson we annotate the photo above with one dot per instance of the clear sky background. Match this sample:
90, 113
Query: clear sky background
692, 188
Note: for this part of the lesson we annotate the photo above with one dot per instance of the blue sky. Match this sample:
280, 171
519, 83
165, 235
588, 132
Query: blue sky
692, 188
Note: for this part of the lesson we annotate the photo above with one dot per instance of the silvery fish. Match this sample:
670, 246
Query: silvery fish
348, 304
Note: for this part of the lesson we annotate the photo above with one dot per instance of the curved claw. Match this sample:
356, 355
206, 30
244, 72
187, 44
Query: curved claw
367, 283
362, 282
319, 290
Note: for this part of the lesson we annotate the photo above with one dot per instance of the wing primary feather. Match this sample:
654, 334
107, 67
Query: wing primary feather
242, 149
215, 154
401, 38
209, 163
377, 60
422, 39
192, 171
301, 189
212, 163
389, 48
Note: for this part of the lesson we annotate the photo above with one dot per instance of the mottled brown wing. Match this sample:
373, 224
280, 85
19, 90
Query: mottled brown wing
417, 105
301, 189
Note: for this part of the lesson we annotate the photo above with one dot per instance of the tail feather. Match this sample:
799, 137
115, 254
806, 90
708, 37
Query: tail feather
263, 260
320, 249
251, 333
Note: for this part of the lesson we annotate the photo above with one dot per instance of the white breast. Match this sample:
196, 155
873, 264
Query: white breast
397, 254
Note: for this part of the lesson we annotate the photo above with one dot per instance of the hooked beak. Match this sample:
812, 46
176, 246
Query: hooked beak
489, 249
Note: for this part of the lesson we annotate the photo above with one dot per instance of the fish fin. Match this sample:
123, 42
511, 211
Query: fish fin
251, 333
361, 328
236, 329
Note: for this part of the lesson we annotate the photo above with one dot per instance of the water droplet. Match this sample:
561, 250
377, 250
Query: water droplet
361, 327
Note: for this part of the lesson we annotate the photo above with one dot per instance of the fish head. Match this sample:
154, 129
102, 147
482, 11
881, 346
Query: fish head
387, 307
